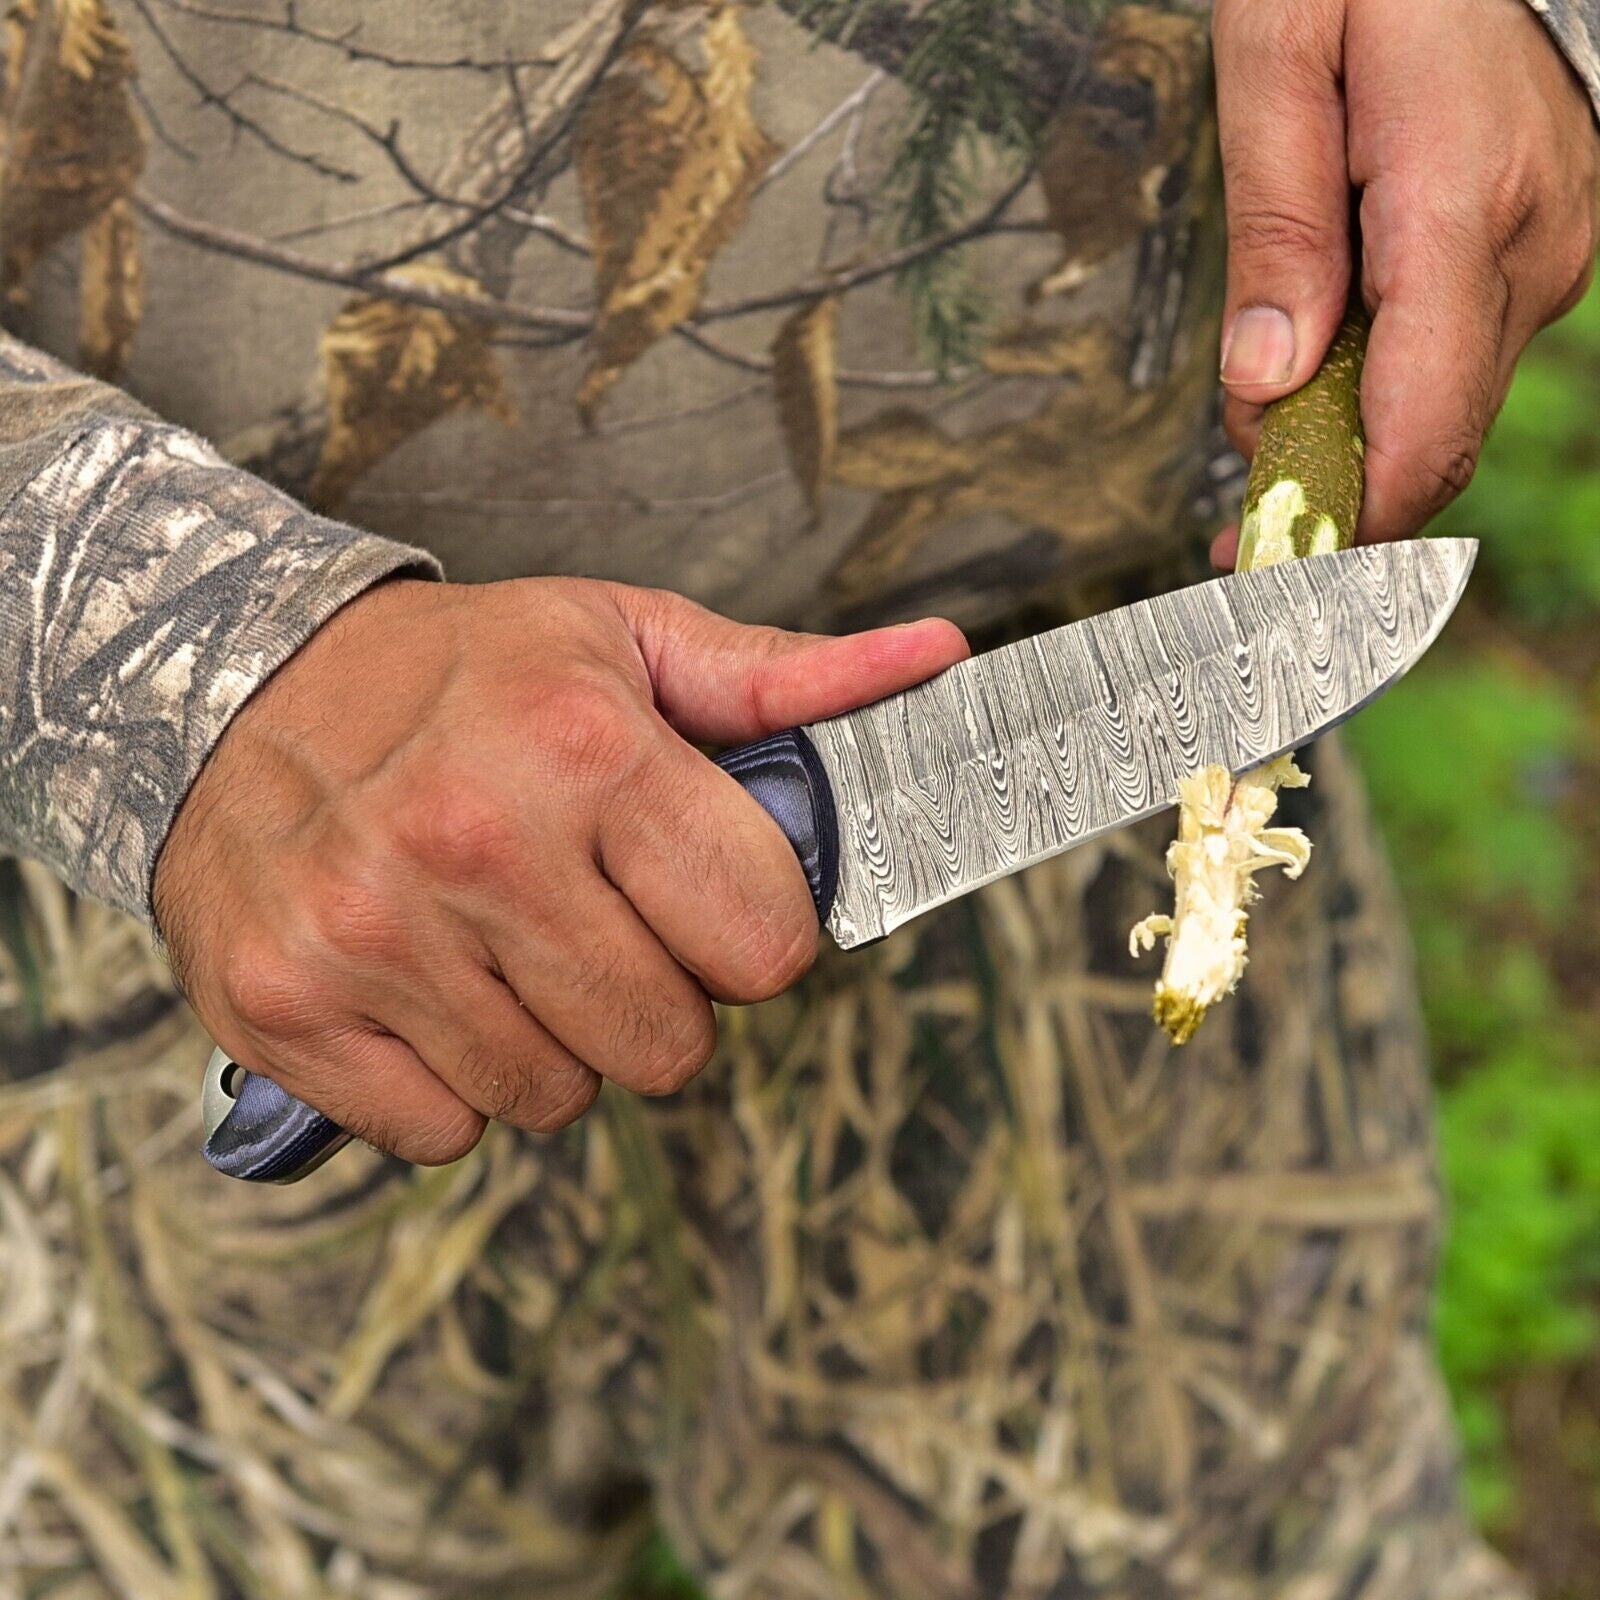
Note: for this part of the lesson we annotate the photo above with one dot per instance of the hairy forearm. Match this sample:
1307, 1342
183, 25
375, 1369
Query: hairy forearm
147, 588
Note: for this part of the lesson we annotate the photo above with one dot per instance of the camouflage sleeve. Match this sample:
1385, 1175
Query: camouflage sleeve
1576, 26
147, 587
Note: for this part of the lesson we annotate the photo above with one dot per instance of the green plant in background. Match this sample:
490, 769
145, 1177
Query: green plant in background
1536, 499
1482, 769
1521, 1137
18, 953
1463, 761
658, 1574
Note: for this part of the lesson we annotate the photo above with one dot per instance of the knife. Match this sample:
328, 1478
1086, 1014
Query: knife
1014, 756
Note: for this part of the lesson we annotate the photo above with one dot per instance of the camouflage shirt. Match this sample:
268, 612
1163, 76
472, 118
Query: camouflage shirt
820, 311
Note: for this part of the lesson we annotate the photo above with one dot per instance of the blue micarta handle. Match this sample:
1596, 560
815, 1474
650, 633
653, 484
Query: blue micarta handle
261, 1133
784, 775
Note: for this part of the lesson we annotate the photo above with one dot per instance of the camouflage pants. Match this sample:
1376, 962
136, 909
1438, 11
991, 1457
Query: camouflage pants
947, 1279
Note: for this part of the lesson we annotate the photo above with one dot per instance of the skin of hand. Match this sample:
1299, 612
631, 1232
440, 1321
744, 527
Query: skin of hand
1472, 146
458, 858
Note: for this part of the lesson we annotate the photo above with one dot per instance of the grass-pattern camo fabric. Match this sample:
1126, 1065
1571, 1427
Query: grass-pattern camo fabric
146, 588
948, 1280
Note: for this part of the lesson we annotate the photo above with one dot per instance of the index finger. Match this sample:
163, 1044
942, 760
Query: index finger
712, 875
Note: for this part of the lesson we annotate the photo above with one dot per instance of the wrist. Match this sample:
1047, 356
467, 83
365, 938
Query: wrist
308, 729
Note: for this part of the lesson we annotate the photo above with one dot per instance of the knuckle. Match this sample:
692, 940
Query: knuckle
1419, 211
1267, 37
585, 730
537, 1093
438, 1141
357, 921
1242, 28
267, 991
766, 649
773, 950
641, 784
551, 1117
495, 1082
1444, 469
673, 1046
454, 830
1272, 232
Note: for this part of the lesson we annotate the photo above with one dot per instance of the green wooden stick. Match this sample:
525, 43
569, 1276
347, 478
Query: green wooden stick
1309, 473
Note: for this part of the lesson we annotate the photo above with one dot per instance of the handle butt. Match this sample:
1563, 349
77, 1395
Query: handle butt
259, 1132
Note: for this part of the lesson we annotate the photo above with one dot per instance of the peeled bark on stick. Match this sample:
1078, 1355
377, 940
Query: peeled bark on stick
1303, 499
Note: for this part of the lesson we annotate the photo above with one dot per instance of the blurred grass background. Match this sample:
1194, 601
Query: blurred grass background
1484, 767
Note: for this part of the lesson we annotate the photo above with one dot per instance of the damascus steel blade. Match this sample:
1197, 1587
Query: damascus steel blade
1017, 755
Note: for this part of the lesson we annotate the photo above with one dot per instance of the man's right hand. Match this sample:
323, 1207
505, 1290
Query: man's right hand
458, 860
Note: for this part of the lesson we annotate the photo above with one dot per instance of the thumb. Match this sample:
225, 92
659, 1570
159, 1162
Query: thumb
721, 682
1280, 109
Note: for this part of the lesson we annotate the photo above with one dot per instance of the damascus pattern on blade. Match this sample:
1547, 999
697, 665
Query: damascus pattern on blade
1019, 754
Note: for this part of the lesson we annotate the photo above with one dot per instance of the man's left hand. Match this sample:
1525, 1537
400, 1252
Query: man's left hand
1472, 146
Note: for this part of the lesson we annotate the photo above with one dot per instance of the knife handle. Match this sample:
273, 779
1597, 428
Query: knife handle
262, 1134
784, 775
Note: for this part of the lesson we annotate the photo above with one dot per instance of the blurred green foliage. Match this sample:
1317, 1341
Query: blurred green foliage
1521, 1138
1482, 770
658, 1574
1536, 499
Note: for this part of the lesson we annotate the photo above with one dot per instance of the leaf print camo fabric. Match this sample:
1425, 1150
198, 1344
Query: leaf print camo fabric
943, 1280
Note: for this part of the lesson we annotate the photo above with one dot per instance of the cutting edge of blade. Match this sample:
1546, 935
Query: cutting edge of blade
849, 940
1465, 552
